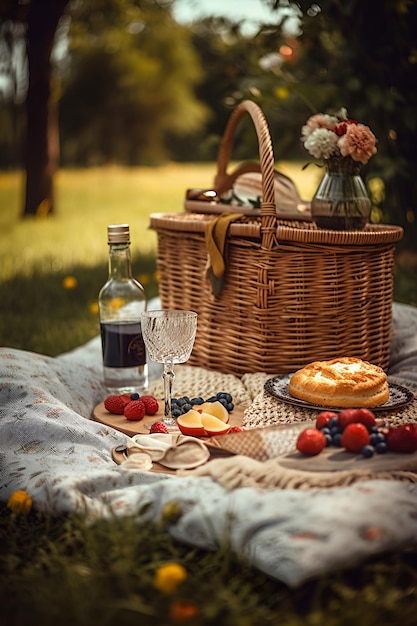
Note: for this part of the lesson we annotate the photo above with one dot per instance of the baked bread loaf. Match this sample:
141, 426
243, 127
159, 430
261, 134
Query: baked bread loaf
346, 382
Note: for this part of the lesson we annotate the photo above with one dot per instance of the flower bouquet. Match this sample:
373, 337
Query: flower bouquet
341, 201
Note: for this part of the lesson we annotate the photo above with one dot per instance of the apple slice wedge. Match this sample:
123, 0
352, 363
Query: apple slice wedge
190, 424
213, 408
213, 425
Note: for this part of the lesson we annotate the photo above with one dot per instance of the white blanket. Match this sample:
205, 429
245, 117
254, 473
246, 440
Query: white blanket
50, 447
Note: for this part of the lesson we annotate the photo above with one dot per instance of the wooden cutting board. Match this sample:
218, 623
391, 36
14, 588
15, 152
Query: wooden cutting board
141, 427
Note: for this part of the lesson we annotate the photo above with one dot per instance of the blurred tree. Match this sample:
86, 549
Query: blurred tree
130, 82
35, 22
363, 56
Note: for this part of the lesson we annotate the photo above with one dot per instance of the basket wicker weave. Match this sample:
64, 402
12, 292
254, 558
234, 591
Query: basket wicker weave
292, 293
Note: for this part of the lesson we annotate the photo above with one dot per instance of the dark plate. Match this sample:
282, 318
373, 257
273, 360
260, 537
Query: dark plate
278, 387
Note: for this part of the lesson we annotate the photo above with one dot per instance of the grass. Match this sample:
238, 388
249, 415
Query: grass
64, 570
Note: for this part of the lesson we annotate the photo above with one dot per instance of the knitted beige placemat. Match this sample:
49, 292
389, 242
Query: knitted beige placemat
196, 381
267, 410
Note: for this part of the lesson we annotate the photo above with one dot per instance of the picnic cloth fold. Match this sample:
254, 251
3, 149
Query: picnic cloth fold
173, 451
50, 447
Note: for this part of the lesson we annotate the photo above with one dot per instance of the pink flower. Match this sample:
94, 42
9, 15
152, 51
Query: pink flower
358, 142
325, 136
320, 120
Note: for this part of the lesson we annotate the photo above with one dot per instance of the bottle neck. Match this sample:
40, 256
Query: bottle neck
120, 266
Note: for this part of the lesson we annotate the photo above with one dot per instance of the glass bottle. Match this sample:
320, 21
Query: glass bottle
121, 301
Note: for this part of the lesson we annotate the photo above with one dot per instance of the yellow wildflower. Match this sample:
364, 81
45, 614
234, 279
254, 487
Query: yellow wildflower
282, 93
117, 303
144, 279
69, 282
20, 502
169, 576
182, 610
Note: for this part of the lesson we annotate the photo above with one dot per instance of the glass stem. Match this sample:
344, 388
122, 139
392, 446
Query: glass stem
168, 377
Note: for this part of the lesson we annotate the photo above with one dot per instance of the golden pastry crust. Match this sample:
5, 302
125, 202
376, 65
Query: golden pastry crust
346, 382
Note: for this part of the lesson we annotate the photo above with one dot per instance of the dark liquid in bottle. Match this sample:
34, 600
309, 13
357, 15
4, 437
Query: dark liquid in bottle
123, 344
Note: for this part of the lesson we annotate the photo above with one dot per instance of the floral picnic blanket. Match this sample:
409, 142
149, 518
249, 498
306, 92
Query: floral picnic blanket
52, 448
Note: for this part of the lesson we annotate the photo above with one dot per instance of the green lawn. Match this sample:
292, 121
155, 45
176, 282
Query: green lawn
38, 255
63, 571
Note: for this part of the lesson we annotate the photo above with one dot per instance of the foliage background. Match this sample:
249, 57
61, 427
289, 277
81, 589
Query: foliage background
135, 87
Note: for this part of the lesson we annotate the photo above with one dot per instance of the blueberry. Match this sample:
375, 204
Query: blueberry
367, 451
373, 429
325, 430
336, 439
377, 438
225, 395
186, 407
134, 396
333, 422
175, 412
230, 406
197, 400
329, 439
381, 447
335, 430
183, 400
223, 401
212, 399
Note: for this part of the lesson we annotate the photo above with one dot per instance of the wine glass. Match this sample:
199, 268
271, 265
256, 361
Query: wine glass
169, 338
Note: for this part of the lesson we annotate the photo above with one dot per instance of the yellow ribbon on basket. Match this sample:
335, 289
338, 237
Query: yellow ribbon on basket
215, 235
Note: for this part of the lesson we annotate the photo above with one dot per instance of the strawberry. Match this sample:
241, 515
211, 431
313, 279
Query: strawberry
365, 417
402, 438
346, 416
354, 437
151, 404
135, 410
323, 418
126, 398
114, 404
310, 441
158, 427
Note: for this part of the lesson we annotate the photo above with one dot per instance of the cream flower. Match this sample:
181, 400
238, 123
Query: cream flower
321, 143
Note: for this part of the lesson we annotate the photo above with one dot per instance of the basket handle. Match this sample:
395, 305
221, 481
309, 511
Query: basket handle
224, 181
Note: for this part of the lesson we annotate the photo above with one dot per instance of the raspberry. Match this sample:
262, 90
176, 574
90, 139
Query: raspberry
323, 418
402, 438
158, 427
135, 410
355, 437
114, 404
311, 441
151, 404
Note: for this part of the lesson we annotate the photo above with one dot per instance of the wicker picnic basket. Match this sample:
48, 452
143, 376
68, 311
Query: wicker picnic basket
292, 293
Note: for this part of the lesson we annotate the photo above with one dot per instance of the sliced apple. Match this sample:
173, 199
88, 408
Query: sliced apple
190, 424
212, 425
213, 408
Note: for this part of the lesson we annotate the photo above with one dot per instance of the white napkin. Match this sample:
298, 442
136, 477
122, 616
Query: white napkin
171, 450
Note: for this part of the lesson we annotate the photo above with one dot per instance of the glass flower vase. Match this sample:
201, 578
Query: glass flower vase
341, 201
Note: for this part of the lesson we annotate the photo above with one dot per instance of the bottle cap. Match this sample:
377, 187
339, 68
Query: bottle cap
118, 233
